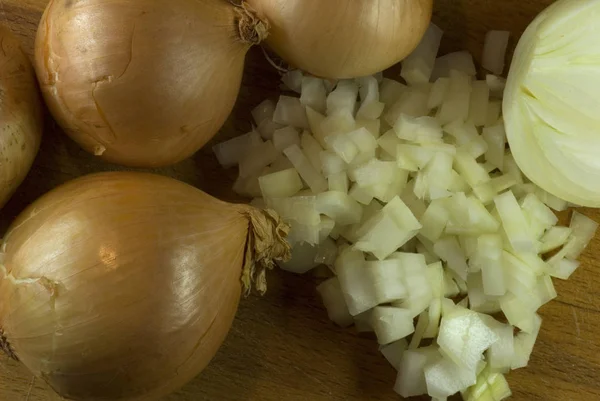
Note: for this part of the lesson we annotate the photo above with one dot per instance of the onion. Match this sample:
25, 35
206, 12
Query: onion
551, 102
344, 38
143, 83
123, 285
21, 116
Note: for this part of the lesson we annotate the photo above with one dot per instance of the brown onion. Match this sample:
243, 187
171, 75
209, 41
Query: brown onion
122, 286
147, 82
344, 38
21, 118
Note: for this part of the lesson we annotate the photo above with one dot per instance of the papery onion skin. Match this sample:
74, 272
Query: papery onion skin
550, 104
143, 83
122, 286
344, 38
21, 117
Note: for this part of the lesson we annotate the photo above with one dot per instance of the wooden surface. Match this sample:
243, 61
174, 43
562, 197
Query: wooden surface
281, 346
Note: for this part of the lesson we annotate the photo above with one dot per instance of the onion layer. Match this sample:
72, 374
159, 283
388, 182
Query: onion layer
143, 83
21, 118
122, 286
344, 38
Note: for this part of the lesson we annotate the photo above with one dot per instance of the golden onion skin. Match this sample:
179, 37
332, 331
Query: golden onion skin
344, 38
21, 116
142, 83
121, 286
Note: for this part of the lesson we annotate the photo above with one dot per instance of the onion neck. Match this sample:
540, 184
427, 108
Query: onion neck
266, 244
251, 27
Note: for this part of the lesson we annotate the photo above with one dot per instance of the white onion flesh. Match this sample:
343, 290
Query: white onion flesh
444, 187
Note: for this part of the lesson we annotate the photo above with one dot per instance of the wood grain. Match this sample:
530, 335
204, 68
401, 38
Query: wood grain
281, 346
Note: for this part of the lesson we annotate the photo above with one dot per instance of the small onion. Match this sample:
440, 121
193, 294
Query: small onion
344, 38
143, 83
21, 118
122, 286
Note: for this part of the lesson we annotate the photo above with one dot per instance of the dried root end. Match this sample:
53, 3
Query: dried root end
266, 244
252, 28
5, 346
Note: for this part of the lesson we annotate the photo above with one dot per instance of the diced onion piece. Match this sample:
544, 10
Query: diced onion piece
312, 149
285, 137
313, 178
480, 99
551, 200
263, 111
333, 300
390, 91
458, 61
231, 152
332, 163
352, 275
494, 51
496, 140
393, 352
563, 268
343, 98
374, 172
418, 66
457, 101
391, 324
496, 85
338, 182
503, 182
464, 337
435, 314
524, 343
292, 80
361, 195
554, 238
470, 170
518, 313
381, 236
413, 102
583, 230
438, 93
444, 378
315, 121
327, 251
514, 223
335, 124
490, 257
373, 126
386, 278
422, 324
434, 220
340, 207
449, 250
411, 371
289, 111
282, 184
254, 162
302, 261
314, 94
370, 107
493, 113
389, 142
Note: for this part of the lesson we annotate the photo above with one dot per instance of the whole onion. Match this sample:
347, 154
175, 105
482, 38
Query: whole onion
143, 83
344, 38
21, 118
122, 286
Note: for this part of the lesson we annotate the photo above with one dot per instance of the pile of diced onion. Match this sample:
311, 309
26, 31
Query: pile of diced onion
408, 193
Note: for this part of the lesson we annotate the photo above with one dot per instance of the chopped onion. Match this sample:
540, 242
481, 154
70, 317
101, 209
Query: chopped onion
434, 208
494, 51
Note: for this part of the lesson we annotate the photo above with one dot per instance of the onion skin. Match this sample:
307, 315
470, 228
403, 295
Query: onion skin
143, 83
122, 286
21, 116
344, 38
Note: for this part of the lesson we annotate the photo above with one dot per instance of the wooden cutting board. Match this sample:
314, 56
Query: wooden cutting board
281, 346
